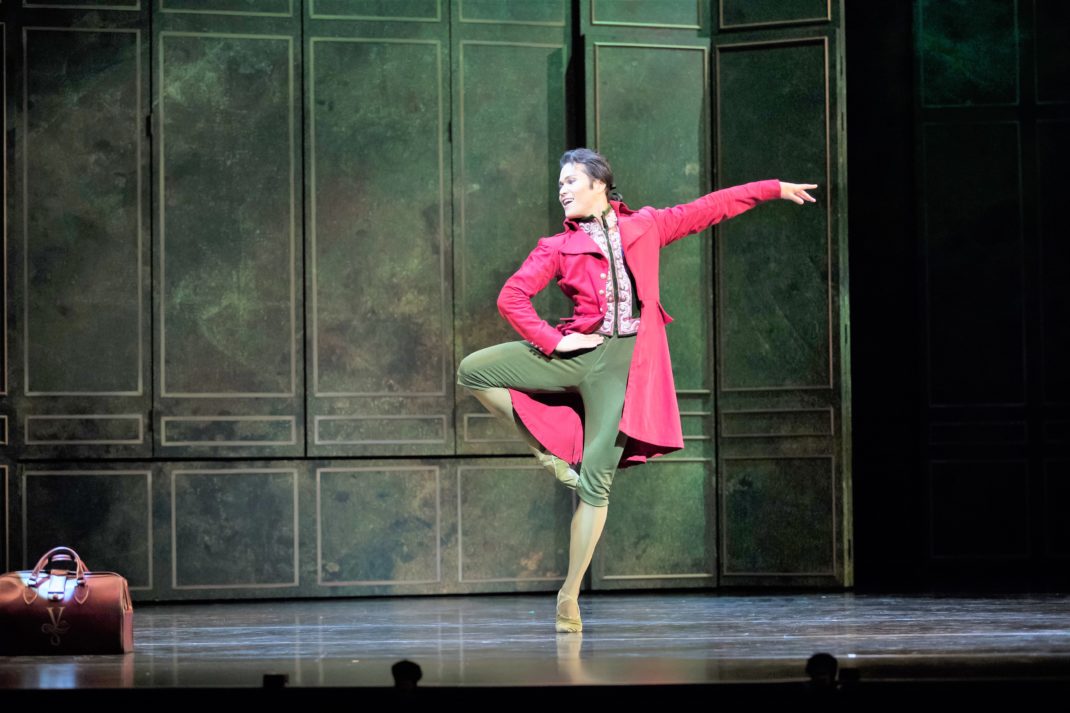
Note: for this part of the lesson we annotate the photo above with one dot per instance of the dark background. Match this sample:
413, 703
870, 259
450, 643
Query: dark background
959, 292
307, 439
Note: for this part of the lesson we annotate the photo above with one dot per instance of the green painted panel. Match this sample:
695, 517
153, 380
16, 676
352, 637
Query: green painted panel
779, 516
230, 7
774, 277
749, 12
533, 11
68, 429
378, 525
87, 4
247, 430
978, 311
968, 52
648, 13
486, 428
508, 178
513, 524
81, 262
980, 508
380, 298
104, 515
693, 425
660, 111
788, 422
376, 9
227, 219
1053, 51
233, 527
509, 131
381, 429
1053, 143
659, 525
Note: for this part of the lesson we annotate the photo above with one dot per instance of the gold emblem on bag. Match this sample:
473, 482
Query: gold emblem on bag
58, 626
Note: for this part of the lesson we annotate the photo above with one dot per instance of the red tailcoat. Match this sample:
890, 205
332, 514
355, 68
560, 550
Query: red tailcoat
651, 417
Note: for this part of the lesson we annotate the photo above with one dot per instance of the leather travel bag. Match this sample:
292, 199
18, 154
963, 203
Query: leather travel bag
60, 607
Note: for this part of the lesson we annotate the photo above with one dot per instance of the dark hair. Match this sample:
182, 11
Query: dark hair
596, 166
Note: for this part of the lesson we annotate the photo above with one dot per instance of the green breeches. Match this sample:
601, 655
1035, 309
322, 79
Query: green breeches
599, 375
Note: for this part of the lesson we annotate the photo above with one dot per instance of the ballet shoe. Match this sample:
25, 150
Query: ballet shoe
567, 625
565, 474
561, 470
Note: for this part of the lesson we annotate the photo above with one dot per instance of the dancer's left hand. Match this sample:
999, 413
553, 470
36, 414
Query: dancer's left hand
797, 192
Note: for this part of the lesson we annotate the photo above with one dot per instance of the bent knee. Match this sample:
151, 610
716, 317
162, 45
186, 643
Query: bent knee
593, 491
467, 375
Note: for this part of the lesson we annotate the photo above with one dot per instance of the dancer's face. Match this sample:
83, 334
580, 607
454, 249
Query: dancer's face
579, 195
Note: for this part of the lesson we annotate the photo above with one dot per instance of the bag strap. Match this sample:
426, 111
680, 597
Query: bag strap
80, 568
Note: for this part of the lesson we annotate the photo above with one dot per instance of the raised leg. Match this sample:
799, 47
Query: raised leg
496, 400
488, 374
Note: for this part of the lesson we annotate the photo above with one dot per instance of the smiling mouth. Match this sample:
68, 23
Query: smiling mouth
566, 203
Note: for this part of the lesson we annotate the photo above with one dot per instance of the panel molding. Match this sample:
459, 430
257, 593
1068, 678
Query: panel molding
831, 334
707, 535
647, 25
468, 438
148, 515
473, 20
701, 416
667, 575
379, 469
25, 212
293, 346
375, 18
68, 6
461, 233
165, 420
251, 585
289, 12
460, 531
440, 418
312, 232
827, 17
139, 418
834, 529
598, 101
728, 415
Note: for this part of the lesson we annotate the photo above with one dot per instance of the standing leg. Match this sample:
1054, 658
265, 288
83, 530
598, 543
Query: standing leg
603, 402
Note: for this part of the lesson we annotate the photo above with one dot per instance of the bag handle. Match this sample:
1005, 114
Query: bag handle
78, 563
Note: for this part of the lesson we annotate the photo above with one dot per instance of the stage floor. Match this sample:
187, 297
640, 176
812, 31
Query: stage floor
509, 640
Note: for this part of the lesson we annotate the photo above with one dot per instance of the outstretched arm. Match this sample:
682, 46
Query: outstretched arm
688, 218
